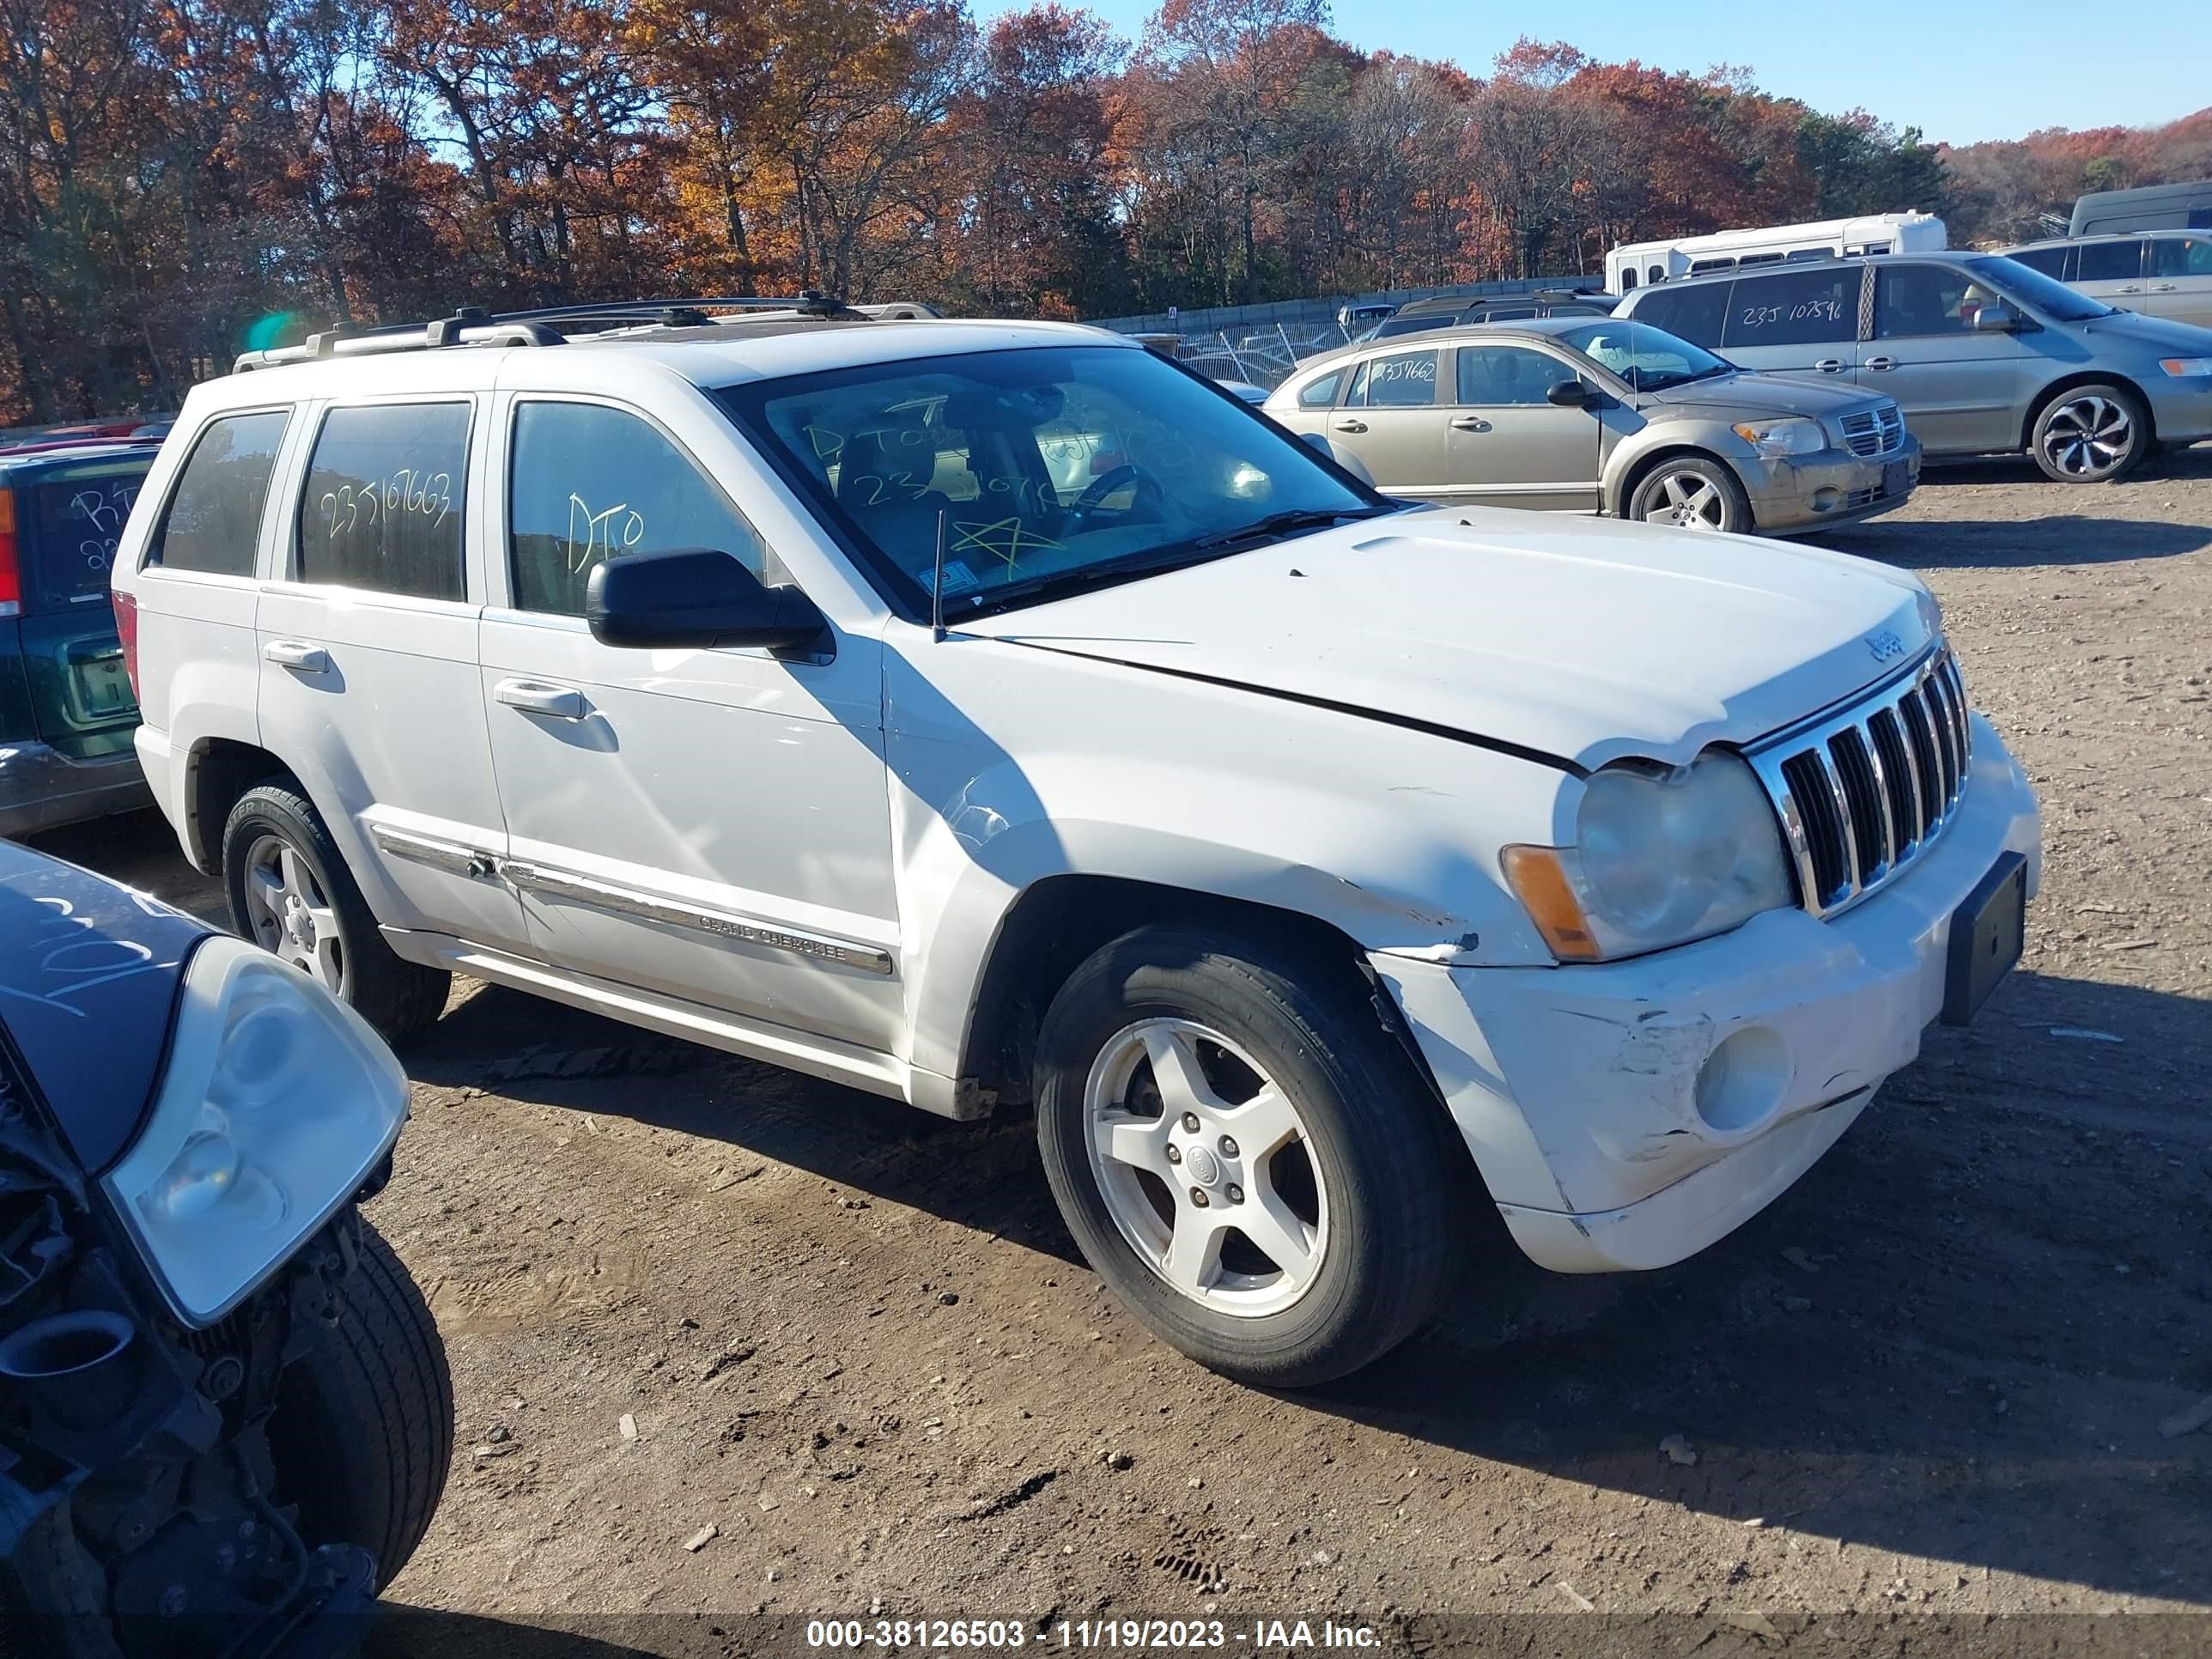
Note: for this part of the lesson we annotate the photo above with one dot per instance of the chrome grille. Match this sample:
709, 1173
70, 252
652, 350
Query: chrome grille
1876, 431
1862, 791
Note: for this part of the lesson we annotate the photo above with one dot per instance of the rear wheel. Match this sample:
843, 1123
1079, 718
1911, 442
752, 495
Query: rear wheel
1691, 493
363, 1429
291, 894
2091, 435
1245, 1156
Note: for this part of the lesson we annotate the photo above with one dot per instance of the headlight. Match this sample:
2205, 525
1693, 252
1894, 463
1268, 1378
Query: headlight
276, 1103
2183, 368
1661, 857
1786, 434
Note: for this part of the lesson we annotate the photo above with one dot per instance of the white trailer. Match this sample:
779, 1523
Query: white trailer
1639, 264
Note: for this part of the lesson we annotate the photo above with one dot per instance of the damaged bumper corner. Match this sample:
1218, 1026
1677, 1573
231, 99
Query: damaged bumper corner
1626, 1115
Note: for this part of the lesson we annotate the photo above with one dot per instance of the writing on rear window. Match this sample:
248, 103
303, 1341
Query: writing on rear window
351, 507
80, 525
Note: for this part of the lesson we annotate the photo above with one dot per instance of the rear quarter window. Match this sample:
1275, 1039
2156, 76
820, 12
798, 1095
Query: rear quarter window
1696, 315
76, 517
213, 520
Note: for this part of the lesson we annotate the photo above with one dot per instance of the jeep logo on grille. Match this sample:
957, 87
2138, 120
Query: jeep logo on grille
1886, 646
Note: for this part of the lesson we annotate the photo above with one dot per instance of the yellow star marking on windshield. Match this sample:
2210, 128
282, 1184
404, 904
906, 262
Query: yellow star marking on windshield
1006, 538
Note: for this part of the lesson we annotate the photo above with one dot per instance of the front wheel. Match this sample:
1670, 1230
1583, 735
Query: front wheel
1246, 1156
363, 1429
1691, 493
2091, 435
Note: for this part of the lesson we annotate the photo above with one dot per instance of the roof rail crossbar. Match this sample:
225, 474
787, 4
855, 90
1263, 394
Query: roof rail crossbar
450, 330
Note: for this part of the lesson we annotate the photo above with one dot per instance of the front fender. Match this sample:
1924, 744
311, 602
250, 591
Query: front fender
1079, 767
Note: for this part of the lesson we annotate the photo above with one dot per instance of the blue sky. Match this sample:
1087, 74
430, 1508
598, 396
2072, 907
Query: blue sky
1960, 71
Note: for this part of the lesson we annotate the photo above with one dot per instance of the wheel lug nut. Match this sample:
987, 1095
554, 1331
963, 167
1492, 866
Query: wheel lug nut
1190, 1122
1175, 1154
1236, 1193
1228, 1146
1198, 1197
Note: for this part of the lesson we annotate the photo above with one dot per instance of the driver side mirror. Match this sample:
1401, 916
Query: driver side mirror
1572, 394
1997, 318
696, 597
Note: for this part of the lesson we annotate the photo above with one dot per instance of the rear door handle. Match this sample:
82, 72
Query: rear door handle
1830, 365
1351, 426
1469, 423
1879, 362
298, 654
2165, 288
560, 702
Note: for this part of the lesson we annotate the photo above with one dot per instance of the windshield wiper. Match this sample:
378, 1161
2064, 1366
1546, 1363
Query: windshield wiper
1287, 523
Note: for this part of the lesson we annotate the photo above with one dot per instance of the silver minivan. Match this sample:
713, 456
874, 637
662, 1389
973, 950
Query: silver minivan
1984, 354
2159, 273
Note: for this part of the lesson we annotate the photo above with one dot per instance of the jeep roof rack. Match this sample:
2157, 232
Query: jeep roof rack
547, 325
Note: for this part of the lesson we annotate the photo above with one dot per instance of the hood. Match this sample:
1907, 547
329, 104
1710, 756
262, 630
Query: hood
1779, 394
2161, 333
88, 973
1578, 640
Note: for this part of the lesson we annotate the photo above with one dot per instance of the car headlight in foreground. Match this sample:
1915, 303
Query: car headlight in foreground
1785, 434
1661, 856
278, 1102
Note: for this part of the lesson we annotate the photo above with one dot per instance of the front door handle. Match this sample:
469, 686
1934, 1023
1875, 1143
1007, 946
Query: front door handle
2165, 288
1879, 362
2130, 287
1351, 426
1830, 365
1469, 423
560, 702
298, 654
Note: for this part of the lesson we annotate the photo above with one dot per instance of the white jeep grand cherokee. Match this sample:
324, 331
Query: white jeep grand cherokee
1322, 870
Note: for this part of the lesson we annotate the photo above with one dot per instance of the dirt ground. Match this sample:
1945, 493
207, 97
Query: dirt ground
1923, 1392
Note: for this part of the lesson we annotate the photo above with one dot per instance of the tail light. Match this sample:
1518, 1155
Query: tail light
126, 631
11, 573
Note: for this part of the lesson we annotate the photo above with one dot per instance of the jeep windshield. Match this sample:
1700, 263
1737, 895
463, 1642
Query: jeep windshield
1042, 469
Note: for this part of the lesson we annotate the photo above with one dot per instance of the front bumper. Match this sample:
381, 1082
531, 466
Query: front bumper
42, 789
1792, 493
1578, 1089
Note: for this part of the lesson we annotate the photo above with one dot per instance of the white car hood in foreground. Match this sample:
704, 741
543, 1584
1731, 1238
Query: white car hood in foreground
1581, 640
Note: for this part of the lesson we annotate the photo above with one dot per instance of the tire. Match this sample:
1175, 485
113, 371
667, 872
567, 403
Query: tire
1379, 1185
277, 830
2095, 434
363, 1429
1693, 492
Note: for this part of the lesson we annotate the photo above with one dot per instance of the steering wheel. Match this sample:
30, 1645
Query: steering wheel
1109, 482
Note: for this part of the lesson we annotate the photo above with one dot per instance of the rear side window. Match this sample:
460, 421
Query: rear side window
2051, 261
2181, 256
76, 519
214, 517
2110, 262
1797, 307
591, 484
1696, 314
382, 507
1406, 379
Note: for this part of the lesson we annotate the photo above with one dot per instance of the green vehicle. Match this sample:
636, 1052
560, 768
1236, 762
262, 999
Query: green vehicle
67, 709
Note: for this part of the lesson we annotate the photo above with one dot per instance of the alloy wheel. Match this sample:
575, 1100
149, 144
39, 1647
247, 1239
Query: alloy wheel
290, 914
2087, 437
1689, 499
1206, 1167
